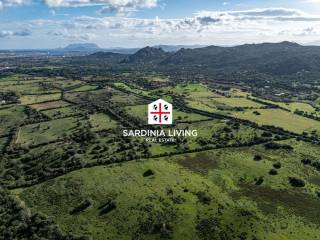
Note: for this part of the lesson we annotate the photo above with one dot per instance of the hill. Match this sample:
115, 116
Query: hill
147, 55
175, 48
109, 57
276, 59
82, 47
272, 58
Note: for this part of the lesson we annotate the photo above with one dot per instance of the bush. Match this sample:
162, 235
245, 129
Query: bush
256, 113
266, 134
273, 172
277, 165
203, 197
108, 207
295, 182
259, 181
257, 157
306, 161
148, 173
275, 146
83, 206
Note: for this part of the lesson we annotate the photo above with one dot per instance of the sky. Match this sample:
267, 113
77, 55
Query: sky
44, 24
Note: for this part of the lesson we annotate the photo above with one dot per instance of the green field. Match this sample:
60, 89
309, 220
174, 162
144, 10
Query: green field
10, 118
101, 122
127, 100
39, 133
84, 88
280, 118
50, 105
191, 91
236, 102
32, 99
69, 168
169, 200
61, 112
134, 90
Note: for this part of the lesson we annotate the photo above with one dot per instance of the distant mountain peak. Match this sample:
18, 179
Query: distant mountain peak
175, 48
287, 43
148, 54
82, 47
150, 50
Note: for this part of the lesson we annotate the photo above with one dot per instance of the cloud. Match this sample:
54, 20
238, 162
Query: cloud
312, 1
13, 3
108, 5
72, 35
259, 20
19, 33
268, 12
22, 33
204, 27
4, 34
276, 14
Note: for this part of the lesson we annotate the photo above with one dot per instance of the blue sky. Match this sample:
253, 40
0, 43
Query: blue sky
28, 24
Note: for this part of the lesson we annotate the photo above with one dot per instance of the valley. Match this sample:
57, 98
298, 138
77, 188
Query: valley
252, 171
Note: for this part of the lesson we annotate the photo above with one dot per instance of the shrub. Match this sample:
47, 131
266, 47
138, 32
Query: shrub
83, 206
277, 165
257, 157
107, 207
266, 134
273, 172
275, 146
295, 182
148, 173
259, 181
256, 113
306, 161
203, 197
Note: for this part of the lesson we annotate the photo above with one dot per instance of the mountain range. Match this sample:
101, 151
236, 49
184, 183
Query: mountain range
92, 48
274, 58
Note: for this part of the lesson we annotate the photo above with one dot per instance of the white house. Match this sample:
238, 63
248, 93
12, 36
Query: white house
160, 113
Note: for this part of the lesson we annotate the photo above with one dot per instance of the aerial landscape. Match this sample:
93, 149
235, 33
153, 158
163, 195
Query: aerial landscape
233, 152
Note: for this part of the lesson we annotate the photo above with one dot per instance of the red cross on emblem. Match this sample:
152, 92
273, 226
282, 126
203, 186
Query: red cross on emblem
160, 112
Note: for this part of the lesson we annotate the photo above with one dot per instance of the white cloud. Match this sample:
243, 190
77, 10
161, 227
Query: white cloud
13, 3
205, 27
312, 1
19, 33
71, 35
108, 5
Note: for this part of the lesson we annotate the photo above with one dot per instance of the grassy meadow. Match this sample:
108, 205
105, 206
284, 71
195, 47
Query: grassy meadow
64, 157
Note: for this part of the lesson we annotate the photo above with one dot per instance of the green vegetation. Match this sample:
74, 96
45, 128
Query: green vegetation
32, 99
236, 102
181, 199
49, 105
62, 112
251, 172
11, 117
45, 132
280, 118
101, 122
